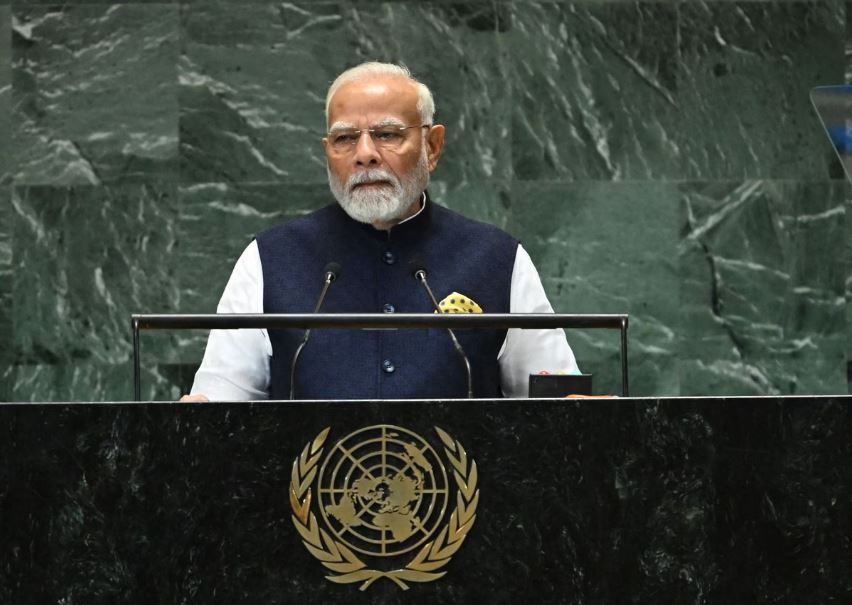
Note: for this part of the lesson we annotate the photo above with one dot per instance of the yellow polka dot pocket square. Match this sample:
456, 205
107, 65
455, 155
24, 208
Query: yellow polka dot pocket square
458, 303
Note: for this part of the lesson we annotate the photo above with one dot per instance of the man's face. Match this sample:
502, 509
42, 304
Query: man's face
374, 182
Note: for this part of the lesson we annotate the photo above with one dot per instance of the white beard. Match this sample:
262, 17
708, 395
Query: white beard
382, 204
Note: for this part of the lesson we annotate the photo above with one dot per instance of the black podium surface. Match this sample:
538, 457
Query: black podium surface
703, 500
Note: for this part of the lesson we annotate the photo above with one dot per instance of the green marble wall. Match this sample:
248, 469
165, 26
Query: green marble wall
658, 158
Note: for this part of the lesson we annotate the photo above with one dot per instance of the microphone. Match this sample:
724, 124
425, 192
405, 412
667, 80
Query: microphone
418, 271
330, 274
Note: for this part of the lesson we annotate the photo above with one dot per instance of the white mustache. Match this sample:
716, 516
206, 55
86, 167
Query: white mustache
370, 176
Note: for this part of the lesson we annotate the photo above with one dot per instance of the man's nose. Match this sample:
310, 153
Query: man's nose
366, 153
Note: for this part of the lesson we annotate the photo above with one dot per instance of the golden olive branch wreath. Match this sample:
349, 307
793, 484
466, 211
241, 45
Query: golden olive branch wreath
337, 557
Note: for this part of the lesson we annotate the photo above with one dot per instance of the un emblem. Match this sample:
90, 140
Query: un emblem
382, 492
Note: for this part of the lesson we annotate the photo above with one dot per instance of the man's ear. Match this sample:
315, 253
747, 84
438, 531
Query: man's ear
434, 145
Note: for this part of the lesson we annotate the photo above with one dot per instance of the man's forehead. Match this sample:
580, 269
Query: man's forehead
374, 99
377, 87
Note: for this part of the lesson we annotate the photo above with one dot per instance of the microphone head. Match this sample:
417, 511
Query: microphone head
332, 270
417, 268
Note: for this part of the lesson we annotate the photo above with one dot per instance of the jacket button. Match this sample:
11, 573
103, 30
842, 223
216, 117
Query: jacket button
388, 308
387, 366
389, 257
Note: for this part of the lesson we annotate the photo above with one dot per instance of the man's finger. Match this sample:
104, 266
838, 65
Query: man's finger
194, 398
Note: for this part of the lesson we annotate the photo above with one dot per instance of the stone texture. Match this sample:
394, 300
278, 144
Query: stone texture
574, 125
703, 501
82, 2
762, 284
488, 201
609, 249
6, 298
85, 259
849, 293
5, 91
848, 79
594, 90
253, 83
647, 90
95, 94
746, 69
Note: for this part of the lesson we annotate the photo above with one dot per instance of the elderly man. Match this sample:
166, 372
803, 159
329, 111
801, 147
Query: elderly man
381, 147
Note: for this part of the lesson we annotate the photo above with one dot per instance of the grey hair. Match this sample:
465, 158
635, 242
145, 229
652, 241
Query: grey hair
425, 102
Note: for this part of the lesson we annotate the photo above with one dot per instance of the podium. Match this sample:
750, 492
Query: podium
686, 500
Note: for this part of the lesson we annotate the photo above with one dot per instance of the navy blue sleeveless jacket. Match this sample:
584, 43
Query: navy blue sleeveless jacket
460, 255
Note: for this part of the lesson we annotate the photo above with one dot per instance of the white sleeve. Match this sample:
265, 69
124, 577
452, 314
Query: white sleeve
236, 362
528, 352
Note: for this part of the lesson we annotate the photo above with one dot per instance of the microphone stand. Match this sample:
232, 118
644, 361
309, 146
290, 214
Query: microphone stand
420, 275
330, 276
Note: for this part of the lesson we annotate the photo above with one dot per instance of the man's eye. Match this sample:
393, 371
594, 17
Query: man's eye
345, 138
387, 136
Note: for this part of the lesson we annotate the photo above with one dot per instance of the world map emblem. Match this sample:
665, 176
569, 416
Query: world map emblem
382, 495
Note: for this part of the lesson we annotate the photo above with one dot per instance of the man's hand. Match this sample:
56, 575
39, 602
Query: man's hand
194, 398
